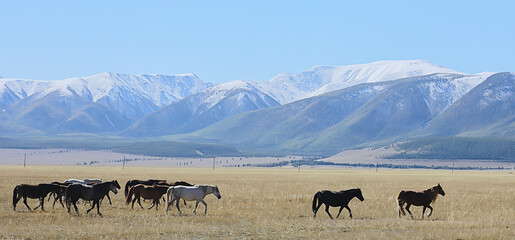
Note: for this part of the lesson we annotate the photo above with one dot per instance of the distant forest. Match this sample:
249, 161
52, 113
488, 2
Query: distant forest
457, 148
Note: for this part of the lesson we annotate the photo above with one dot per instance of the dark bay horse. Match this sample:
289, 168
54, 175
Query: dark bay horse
33, 191
423, 198
335, 199
178, 183
131, 183
153, 193
58, 196
89, 193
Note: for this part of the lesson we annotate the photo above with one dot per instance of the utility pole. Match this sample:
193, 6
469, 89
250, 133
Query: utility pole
123, 166
452, 168
25, 160
377, 166
214, 164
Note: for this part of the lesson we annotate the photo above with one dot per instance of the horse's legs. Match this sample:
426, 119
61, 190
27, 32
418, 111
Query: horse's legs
60, 200
98, 209
177, 205
316, 209
205, 206
423, 211
184, 202
55, 200
133, 201
196, 205
350, 213
157, 203
152, 205
25, 202
430, 208
15, 202
169, 204
407, 209
39, 205
76, 208
109, 198
327, 210
341, 208
401, 208
139, 202
42, 203
95, 202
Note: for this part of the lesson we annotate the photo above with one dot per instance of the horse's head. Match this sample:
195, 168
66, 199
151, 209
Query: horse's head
114, 186
439, 189
216, 192
359, 195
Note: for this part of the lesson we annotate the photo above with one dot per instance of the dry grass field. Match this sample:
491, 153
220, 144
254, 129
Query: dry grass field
261, 203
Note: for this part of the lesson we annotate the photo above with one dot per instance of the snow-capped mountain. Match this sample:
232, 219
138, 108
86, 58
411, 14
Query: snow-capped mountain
286, 88
377, 113
151, 105
131, 96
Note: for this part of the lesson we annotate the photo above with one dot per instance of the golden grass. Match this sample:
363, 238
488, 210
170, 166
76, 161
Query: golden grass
271, 204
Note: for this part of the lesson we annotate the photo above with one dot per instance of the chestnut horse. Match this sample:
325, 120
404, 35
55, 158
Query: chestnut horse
133, 182
423, 198
154, 193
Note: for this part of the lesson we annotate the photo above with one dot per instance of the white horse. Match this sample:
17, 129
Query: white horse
191, 193
86, 181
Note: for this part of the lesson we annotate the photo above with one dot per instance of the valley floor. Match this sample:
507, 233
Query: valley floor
271, 203
106, 158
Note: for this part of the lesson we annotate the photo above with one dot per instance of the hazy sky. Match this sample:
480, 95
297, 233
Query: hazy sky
221, 41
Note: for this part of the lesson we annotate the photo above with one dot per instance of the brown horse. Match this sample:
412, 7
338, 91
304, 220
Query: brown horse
133, 182
33, 191
153, 193
423, 198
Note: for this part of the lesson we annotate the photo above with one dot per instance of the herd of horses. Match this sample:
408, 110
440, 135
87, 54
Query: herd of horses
94, 191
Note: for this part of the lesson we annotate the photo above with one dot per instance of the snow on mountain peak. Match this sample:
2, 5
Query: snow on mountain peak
322, 79
121, 91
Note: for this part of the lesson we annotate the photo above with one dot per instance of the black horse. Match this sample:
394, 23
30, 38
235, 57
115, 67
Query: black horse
33, 191
335, 199
149, 182
89, 193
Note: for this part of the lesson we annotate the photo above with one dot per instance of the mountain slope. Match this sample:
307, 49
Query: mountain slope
202, 109
366, 113
487, 110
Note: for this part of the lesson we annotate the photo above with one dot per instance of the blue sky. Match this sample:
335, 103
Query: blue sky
221, 41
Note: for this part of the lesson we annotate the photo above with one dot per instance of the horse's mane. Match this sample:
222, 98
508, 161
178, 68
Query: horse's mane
350, 190
432, 193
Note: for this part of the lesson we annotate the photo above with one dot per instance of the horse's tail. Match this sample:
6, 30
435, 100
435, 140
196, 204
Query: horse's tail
127, 188
400, 197
400, 202
315, 198
168, 193
15, 196
129, 196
